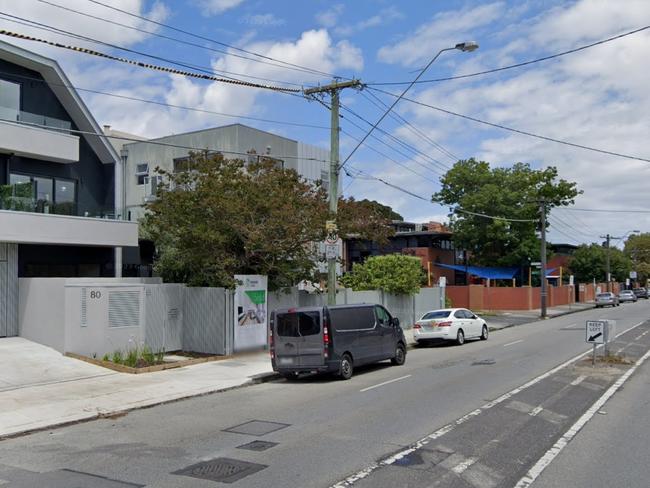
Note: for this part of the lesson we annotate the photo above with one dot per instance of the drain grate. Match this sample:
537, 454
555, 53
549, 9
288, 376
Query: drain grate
258, 446
224, 470
484, 362
256, 427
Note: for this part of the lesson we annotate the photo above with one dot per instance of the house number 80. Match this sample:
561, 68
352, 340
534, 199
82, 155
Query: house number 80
95, 294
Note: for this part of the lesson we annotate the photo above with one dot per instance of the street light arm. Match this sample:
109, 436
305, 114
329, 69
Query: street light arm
458, 46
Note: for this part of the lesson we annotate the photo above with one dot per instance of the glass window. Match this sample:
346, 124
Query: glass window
65, 191
298, 324
10, 96
309, 323
382, 316
460, 314
353, 318
43, 188
438, 314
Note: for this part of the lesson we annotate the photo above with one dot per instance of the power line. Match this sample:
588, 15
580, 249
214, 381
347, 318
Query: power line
162, 36
517, 65
396, 115
150, 66
163, 104
554, 219
579, 222
287, 65
517, 131
601, 210
493, 217
157, 142
56, 30
558, 230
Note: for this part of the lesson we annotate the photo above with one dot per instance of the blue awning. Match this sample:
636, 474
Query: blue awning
484, 272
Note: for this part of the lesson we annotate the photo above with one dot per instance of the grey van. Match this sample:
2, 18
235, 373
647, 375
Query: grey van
334, 339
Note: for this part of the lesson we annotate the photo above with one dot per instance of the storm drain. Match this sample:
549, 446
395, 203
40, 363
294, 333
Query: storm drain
224, 470
484, 362
258, 446
256, 427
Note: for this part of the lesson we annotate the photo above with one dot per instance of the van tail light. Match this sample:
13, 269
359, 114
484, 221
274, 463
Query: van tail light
326, 337
444, 324
271, 343
417, 326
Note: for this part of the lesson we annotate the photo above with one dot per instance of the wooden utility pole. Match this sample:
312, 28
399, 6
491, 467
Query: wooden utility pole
543, 291
333, 191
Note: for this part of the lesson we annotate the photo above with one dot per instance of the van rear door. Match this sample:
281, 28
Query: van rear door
298, 338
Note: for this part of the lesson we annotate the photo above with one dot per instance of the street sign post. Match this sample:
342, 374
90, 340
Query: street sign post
596, 330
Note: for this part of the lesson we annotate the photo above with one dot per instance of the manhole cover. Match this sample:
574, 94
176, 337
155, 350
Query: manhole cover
258, 446
224, 470
256, 427
484, 362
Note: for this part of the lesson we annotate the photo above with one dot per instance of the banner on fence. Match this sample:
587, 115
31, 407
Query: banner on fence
251, 301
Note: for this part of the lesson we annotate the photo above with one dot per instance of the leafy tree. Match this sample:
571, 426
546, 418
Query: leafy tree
637, 248
376, 208
513, 193
392, 273
589, 262
222, 217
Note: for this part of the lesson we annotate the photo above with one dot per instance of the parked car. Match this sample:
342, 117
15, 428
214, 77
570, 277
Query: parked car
334, 339
641, 292
607, 299
627, 296
452, 324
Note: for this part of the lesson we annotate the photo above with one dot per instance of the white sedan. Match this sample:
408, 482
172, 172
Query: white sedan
450, 324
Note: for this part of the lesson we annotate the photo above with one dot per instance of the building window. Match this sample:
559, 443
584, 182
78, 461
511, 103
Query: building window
42, 194
65, 197
9, 100
182, 165
142, 172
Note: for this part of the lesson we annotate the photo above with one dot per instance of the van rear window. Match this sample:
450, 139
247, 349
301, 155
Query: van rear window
353, 318
298, 324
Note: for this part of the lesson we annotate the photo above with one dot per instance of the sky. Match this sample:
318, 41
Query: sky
596, 97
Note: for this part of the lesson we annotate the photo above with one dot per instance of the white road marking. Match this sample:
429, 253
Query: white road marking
385, 383
578, 380
511, 343
364, 473
459, 468
551, 454
535, 411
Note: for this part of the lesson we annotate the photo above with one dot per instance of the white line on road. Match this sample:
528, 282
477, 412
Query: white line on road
578, 380
461, 467
535, 411
511, 343
562, 442
386, 383
364, 473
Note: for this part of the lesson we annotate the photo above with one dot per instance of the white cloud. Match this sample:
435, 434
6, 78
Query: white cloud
383, 17
444, 30
215, 7
330, 17
263, 20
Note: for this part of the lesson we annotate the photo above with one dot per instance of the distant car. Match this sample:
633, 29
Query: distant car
607, 299
627, 296
641, 292
451, 324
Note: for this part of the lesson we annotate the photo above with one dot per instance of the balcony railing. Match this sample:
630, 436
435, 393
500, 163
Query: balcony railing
11, 115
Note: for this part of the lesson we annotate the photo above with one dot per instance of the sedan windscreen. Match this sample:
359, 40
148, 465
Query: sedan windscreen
438, 314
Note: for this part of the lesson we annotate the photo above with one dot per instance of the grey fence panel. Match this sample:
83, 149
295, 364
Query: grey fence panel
400, 306
207, 320
284, 299
12, 290
163, 321
429, 299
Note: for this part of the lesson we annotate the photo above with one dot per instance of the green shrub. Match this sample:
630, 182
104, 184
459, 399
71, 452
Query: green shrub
448, 302
160, 356
106, 357
118, 358
131, 359
148, 356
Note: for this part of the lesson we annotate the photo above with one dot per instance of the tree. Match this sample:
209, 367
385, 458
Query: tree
637, 248
589, 262
513, 193
222, 217
392, 273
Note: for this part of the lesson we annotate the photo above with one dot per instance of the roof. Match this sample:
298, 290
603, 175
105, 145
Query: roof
62, 88
215, 129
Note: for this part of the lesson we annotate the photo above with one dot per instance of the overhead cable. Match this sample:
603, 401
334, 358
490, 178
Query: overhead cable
154, 67
517, 131
517, 65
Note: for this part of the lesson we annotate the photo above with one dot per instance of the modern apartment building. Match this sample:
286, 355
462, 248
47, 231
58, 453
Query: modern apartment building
57, 182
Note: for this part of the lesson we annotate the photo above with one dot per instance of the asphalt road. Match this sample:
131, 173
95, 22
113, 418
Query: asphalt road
324, 431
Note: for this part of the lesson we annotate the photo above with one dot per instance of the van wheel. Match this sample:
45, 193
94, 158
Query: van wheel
460, 337
346, 369
400, 355
484, 335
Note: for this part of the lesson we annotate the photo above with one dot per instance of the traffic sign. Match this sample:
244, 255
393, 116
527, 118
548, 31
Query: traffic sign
633, 275
331, 251
596, 331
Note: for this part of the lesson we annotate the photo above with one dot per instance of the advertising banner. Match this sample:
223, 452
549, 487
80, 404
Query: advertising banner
251, 300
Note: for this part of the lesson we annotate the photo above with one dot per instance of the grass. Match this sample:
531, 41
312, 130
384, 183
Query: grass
136, 357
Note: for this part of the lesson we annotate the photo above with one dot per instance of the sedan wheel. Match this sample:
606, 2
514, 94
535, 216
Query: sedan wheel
460, 337
484, 335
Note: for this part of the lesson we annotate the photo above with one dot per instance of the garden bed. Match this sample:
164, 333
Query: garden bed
145, 367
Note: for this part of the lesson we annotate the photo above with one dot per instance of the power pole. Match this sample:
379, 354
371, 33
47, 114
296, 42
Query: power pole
543, 291
607, 264
333, 191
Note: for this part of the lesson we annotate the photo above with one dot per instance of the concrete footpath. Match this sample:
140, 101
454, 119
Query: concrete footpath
40, 388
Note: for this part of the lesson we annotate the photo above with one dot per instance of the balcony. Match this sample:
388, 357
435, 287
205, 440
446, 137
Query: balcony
48, 138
